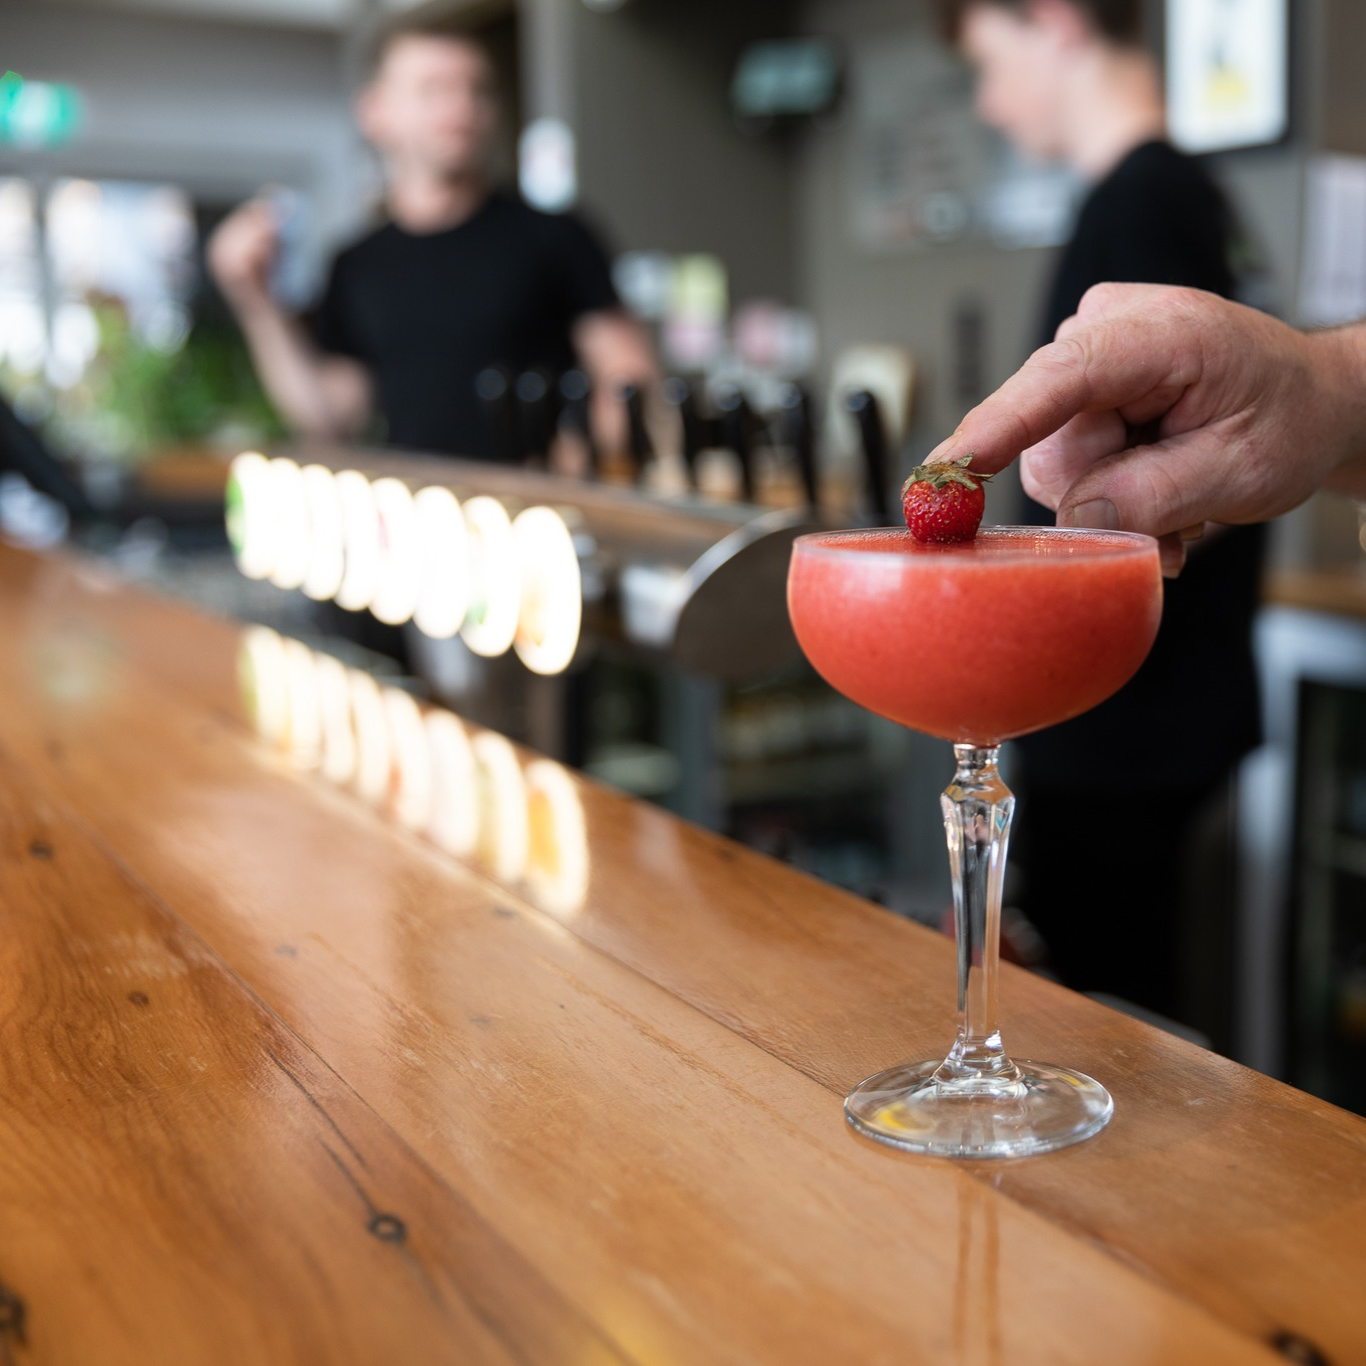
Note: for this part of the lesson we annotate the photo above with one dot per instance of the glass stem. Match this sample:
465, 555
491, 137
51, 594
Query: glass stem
977, 809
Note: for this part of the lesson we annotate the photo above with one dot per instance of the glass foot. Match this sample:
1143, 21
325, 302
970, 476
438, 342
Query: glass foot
913, 1108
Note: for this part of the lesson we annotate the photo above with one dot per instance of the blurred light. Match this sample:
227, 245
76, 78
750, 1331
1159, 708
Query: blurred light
23, 335
645, 281
37, 113
130, 243
443, 551
372, 738
167, 326
263, 679
503, 829
455, 792
334, 705
29, 517
399, 579
326, 559
547, 165
251, 515
470, 797
361, 539
605, 6
551, 611
786, 77
558, 862
289, 499
75, 342
495, 592
305, 710
412, 759
694, 331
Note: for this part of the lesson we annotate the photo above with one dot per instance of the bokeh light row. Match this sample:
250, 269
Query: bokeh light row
464, 789
500, 582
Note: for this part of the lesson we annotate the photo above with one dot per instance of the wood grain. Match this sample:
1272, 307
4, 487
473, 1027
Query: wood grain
635, 1100
184, 1180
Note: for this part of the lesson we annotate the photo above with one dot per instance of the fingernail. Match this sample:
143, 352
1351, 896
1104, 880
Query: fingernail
1100, 515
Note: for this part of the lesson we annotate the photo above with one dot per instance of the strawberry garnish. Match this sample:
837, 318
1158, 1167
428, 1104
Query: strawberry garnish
944, 502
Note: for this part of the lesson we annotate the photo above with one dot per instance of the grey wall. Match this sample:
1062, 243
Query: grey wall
909, 296
906, 296
661, 162
217, 108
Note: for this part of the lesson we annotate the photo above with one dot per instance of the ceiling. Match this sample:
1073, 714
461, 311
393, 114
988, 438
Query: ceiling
327, 15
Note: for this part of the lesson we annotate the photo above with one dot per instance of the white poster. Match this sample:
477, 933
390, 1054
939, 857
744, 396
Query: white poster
1333, 278
1227, 72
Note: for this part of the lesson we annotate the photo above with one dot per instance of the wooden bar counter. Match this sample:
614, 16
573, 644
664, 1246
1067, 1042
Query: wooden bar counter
285, 1079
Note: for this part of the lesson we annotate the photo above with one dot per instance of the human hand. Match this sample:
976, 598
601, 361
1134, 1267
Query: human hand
243, 251
1244, 416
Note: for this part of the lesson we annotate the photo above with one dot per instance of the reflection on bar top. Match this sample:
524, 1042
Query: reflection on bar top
462, 788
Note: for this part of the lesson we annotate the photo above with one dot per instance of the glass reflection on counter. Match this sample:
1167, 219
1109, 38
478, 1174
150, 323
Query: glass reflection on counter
463, 789
557, 839
374, 754
263, 680
455, 786
412, 775
502, 792
339, 752
305, 726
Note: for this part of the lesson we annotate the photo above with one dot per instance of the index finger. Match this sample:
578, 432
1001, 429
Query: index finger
1136, 357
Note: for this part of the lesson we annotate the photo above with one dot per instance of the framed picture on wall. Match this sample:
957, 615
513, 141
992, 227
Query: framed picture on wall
1228, 73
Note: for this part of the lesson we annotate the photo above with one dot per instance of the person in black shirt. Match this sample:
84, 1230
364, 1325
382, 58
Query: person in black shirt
462, 277
1111, 798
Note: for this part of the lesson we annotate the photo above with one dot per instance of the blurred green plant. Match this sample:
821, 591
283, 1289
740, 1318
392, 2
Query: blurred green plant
201, 392
136, 398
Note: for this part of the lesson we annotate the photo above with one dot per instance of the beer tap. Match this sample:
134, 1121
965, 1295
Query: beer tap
799, 432
698, 432
576, 415
495, 391
638, 442
537, 412
737, 433
863, 407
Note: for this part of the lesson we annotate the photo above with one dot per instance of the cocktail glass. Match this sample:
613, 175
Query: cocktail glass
975, 644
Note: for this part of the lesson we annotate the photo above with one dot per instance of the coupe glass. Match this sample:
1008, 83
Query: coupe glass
975, 644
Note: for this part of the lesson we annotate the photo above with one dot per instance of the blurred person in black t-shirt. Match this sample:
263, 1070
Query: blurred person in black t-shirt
462, 276
1111, 798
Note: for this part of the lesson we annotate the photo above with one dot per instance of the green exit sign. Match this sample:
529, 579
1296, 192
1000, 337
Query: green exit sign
37, 113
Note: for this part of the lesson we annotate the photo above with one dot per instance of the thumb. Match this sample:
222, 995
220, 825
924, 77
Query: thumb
1157, 489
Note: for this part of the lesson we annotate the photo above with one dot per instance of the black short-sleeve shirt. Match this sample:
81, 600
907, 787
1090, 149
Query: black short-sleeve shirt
1193, 709
426, 313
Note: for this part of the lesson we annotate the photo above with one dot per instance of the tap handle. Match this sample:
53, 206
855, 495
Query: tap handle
800, 434
576, 413
698, 432
537, 411
737, 432
639, 445
494, 388
864, 409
